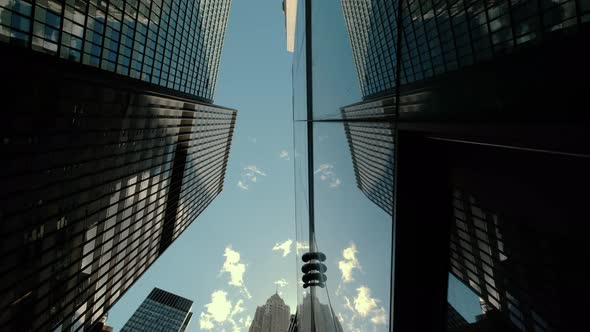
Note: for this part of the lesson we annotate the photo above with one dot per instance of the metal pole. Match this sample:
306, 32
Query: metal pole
310, 166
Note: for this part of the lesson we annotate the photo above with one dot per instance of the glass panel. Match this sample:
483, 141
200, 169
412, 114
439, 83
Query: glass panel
356, 236
353, 163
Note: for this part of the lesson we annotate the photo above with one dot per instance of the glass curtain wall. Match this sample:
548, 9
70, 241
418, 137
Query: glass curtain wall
448, 78
344, 178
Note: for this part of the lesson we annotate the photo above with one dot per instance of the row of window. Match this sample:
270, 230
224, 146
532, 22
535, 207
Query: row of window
175, 45
443, 35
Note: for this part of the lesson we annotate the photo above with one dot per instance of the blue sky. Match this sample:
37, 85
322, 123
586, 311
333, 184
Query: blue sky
242, 247
255, 78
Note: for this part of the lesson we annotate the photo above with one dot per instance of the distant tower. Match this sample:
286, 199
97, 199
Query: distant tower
274, 316
325, 319
161, 311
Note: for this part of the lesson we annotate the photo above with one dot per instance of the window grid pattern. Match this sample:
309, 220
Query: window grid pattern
160, 311
172, 43
439, 36
477, 256
372, 32
371, 145
88, 200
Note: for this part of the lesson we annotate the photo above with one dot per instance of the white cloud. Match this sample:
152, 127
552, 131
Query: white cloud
348, 304
300, 246
323, 168
238, 309
218, 310
235, 269
368, 307
364, 304
326, 173
249, 176
335, 183
284, 246
349, 263
379, 317
242, 185
284, 154
366, 313
254, 169
246, 322
281, 282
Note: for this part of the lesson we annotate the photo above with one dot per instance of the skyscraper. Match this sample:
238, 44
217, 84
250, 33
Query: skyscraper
371, 29
324, 318
370, 134
115, 148
465, 131
273, 316
175, 44
160, 311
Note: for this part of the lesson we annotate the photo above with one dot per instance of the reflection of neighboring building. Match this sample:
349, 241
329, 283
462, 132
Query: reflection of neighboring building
439, 38
105, 163
324, 318
480, 259
454, 318
491, 256
273, 316
161, 311
101, 326
90, 202
491, 321
370, 136
371, 29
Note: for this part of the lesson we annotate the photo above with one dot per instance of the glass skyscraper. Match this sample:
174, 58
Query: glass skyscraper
111, 148
458, 120
175, 44
442, 36
370, 136
160, 311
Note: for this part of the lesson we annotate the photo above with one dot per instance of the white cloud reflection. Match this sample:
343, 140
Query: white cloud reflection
326, 174
365, 312
284, 154
242, 185
285, 247
301, 246
349, 263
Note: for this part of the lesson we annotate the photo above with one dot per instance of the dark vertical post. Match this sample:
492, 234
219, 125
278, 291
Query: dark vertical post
423, 213
310, 166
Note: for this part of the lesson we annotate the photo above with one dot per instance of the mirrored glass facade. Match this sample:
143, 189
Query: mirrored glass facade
439, 162
172, 43
333, 146
100, 174
160, 311
438, 36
